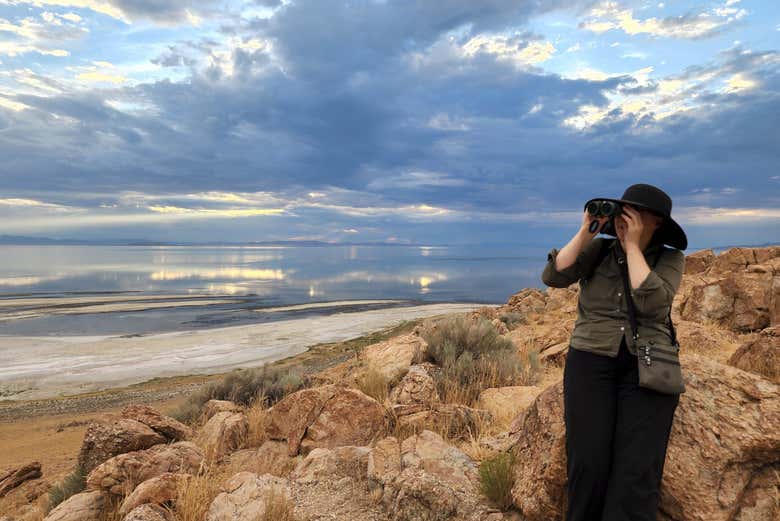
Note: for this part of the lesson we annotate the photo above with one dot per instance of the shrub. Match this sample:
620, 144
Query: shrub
496, 478
73, 483
512, 319
472, 355
243, 387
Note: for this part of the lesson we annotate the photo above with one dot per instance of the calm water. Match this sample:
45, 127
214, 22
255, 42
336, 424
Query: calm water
263, 276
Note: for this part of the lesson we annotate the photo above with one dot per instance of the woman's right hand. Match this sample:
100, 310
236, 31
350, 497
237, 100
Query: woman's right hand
587, 218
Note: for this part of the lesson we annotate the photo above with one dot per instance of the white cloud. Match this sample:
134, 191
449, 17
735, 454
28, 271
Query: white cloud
510, 48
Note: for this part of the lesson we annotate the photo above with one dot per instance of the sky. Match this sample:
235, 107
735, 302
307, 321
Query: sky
446, 122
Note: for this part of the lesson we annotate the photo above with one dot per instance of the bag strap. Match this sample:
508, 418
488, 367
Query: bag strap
630, 301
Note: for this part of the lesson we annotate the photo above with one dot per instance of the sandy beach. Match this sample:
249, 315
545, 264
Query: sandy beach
39, 367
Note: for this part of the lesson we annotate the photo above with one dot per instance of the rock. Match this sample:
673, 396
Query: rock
507, 402
416, 387
500, 326
321, 463
326, 416
172, 429
148, 512
760, 356
699, 262
526, 301
270, 458
722, 458
431, 480
157, 491
224, 433
103, 440
86, 506
393, 357
121, 474
246, 495
212, 407
15, 477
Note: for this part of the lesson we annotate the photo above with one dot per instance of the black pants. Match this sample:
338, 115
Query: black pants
616, 438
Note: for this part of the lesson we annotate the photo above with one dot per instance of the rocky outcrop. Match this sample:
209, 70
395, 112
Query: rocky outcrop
424, 478
761, 355
247, 496
417, 387
106, 439
172, 429
326, 416
158, 490
458, 420
721, 460
87, 506
121, 474
15, 477
224, 433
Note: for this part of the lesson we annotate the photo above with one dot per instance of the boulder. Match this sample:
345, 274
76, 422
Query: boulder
148, 512
393, 357
105, 439
459, 420
16, 476
723, 456
430, 480
158, 490
86, 506
224, 433
507, 402
326, 416
246, 496
121, 474
321, 463
416, 387
212, 407
761, 355
699, 262
270, 458
526, 301
172, 429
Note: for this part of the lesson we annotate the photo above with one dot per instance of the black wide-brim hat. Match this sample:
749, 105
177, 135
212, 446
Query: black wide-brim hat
655, 200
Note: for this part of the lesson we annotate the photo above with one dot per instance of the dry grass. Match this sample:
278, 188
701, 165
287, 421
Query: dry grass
256, 415
496, 479
194, 495
278, 506
374, 383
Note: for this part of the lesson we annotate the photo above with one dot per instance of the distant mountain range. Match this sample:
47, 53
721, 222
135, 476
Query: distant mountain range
21, 240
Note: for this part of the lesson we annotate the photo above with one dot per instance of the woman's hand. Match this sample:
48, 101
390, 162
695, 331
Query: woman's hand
587, 218
629, 226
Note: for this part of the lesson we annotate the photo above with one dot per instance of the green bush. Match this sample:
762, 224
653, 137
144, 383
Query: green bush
512, 319
243, 387
496, 478
472, 355
73, 483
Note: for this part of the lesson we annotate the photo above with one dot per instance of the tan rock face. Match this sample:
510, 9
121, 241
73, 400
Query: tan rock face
719, 447
121, 474
224, 433
393, 357
171, 428
426, 479
417, 387
103, 440
739, 301
760, 356
87, 506
507, 402
322, 464
245, 496
528, 300
212, 407
148, 513
15, 477
158, 490
458, 419
699, 261
326, 416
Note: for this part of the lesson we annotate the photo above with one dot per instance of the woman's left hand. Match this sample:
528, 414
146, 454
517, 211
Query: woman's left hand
634, 226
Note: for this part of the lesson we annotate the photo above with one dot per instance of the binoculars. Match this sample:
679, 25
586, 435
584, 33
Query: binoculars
602, 208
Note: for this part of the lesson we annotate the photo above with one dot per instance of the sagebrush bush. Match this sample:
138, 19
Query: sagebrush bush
472, 355
496, 478
512, 319
72, 484
244, 387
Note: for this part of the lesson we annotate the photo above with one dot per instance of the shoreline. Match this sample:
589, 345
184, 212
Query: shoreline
45, 368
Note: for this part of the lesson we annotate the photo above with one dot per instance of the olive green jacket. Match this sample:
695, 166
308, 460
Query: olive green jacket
602, 312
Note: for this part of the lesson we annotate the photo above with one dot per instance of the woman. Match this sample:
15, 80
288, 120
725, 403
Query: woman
616, 431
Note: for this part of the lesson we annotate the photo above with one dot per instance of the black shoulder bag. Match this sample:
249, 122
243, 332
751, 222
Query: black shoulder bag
659, 364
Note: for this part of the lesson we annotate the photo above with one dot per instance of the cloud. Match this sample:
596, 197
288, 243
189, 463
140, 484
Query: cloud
162, 11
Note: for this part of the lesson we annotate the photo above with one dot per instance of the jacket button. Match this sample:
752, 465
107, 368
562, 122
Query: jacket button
619, 294
622, 328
